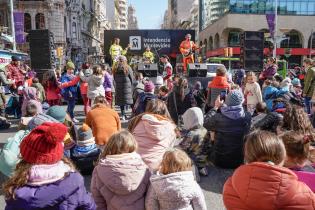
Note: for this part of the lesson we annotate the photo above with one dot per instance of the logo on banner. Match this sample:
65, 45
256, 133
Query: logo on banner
135, 42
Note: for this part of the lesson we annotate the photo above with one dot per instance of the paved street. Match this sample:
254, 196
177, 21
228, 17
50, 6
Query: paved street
211, 185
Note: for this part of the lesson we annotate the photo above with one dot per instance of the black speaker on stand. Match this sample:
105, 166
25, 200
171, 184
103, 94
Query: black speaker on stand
42, 52
252, 51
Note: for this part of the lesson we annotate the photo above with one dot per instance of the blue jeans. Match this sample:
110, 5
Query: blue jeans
123, 110
307, 101
70, 108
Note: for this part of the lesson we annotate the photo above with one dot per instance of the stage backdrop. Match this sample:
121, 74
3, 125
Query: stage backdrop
160, 41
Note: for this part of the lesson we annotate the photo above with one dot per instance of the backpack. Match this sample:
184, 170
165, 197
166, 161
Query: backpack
14, 106
142, 101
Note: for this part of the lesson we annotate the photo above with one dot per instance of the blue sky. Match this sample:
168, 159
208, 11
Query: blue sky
149, 12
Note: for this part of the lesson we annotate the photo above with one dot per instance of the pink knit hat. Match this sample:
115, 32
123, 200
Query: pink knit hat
149, 87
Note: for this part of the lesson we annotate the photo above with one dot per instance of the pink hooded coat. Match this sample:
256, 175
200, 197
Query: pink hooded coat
30, 96
120, 182
154, 136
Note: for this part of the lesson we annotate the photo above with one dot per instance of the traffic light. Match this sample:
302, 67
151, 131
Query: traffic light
59, 52
228, 52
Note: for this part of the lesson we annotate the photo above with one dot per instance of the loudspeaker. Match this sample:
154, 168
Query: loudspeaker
197, 70
252, 50
42, 49
148, 70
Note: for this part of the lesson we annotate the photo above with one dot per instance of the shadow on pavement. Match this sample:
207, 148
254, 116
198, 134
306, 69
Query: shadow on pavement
214, 182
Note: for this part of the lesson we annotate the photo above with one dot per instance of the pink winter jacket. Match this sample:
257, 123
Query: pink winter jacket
154, 136
120, 182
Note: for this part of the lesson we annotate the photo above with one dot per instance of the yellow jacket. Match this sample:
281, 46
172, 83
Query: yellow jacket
149, 55
116, 50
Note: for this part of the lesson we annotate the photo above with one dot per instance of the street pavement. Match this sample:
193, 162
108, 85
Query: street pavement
211, 185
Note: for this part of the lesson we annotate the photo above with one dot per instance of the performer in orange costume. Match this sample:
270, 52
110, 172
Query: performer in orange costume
186, 48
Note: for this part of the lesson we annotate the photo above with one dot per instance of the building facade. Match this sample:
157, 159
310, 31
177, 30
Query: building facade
78, 25
296, 22
121, 14
178, 14
132, 18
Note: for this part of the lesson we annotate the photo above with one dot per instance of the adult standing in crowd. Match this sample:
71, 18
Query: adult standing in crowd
4, 81
116, 50
15, 72
230, 123
123, 77
179, 100
309, 83
167, 72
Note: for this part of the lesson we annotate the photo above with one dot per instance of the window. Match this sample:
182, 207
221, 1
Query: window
27, 22
40, 21
74, 30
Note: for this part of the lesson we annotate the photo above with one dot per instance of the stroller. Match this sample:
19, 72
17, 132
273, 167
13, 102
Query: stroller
14, 106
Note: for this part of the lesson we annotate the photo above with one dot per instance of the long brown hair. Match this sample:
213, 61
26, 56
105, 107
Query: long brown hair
20, 177
156, 107
121, 65
295, 118
297, 145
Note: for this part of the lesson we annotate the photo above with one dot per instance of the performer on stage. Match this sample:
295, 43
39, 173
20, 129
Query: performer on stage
168, 71
148, 55
186, 48
116, 50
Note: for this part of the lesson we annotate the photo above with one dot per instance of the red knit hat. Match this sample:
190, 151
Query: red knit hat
44, 144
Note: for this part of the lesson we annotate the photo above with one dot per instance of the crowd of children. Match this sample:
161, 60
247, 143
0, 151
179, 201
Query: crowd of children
262, 127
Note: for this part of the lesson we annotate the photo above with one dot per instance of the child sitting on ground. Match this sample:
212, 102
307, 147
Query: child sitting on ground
85, 153
163, 93
195, 138
297, 147
263, 182
30, 96
174, 187
143, 98
31, 111
121, 178
43, 179
261, 112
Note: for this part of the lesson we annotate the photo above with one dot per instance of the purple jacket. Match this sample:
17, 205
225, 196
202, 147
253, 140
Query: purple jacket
269, 71
68, 193
108, 82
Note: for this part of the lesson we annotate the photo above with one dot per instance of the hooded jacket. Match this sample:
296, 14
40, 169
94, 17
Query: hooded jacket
3, 78
95, 85
175, 191
30, 96
230, 125
262, 186
218, 84
120, 182
154, 135
68, 193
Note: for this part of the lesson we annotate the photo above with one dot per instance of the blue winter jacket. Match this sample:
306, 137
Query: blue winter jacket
69, 92
271, 93
66, 194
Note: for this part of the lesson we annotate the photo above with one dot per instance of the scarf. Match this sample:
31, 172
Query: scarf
45, 174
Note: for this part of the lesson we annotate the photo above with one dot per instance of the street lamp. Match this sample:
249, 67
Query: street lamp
276, 30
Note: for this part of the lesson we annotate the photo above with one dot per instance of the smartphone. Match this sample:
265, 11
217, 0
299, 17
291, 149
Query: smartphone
222, 95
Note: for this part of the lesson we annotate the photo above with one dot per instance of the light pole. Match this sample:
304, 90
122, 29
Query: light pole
311, 44
12, 25
276, 30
